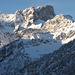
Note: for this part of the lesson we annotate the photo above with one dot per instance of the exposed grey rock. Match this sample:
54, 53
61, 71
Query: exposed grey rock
1, 26
68, 17
29, 13
70, 34
45, 13
18, 16
19, 12
13, 25
17, 28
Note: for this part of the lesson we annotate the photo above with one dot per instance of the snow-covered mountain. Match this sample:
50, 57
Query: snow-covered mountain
28, 35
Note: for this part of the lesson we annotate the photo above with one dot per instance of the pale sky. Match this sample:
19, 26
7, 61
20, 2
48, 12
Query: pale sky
60, 6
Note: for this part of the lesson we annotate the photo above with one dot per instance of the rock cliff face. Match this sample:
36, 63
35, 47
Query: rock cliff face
18, 16
29, 15
45, 13
59, 21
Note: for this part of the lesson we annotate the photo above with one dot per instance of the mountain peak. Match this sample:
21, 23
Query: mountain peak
45, 12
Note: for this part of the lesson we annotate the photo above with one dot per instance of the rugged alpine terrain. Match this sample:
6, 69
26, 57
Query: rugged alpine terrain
60, 62
37, 42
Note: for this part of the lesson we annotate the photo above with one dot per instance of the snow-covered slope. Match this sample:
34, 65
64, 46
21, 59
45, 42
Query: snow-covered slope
26, 36
19, 54
60, 62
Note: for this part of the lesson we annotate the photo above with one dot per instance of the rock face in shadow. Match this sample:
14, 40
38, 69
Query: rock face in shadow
45, 13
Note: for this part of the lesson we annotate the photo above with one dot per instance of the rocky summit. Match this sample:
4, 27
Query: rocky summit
37, 42
45, 13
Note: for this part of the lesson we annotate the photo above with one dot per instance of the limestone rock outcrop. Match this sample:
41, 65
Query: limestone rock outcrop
59, 21
46, 12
